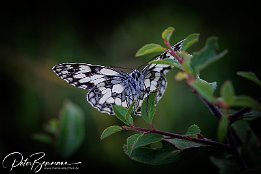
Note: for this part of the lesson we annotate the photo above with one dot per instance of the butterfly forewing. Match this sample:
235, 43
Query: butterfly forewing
85, 76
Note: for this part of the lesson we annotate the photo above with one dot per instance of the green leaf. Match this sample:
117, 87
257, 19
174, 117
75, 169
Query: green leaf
159, 156
150, 48
110, 130
167, 61
187, 61
250, 143
164, 155
222, 128
205, 89
147, 139
139, 140
120, 113
206, 55
72, 129
184, 144
131, 140
193, 130
245, 133
167, 33
250, 76
225, 164
251, 115
52, 127
228, 93
128, 117
148, 108
189, 41
181, 144
123, 113
42, 137
246, 101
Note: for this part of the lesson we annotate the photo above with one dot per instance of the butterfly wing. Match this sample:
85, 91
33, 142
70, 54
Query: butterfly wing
154, 76
106, 86
85, 76
108, 93
155, 82
163, 69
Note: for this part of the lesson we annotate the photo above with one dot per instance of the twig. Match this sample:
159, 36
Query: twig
178, 136
230, 138
236, 116
172, 52
212, 108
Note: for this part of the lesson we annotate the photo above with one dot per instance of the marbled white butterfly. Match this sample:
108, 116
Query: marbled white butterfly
107, 86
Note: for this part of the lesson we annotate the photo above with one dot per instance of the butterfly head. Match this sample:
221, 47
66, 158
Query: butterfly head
136, 75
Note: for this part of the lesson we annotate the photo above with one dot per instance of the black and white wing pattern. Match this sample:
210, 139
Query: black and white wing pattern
154, 79
106, 85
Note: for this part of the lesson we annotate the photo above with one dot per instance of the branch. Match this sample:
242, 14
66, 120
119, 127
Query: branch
212, 108
178, 136
230, 139
172, 52
236, 116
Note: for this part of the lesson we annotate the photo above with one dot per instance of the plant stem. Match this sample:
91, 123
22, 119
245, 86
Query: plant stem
236, 116
230, 138
172, 52
178, 136
212, 108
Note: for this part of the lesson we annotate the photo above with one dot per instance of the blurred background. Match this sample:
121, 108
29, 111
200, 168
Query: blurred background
37, 35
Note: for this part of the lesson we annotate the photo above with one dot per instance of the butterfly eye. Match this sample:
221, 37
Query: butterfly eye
133, 75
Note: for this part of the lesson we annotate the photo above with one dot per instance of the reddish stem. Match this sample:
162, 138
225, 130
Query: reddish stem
178, 136
172, 52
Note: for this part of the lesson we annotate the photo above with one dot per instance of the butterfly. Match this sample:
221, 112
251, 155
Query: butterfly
107, 86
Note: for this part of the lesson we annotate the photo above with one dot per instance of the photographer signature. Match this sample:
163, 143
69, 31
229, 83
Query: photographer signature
35, 162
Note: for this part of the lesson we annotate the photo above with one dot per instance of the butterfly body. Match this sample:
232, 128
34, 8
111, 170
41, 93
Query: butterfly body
107, 86
136, 82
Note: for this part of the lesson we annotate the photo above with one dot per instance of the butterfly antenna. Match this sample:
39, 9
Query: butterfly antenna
147, 63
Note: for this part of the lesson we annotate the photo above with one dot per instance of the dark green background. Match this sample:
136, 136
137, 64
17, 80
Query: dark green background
37, 35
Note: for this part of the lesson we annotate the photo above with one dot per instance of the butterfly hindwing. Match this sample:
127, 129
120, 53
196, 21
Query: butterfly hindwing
154, 77
162, 68
154, 73
106, 94
152, 84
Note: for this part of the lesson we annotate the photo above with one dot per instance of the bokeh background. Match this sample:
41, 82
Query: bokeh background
37, 35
